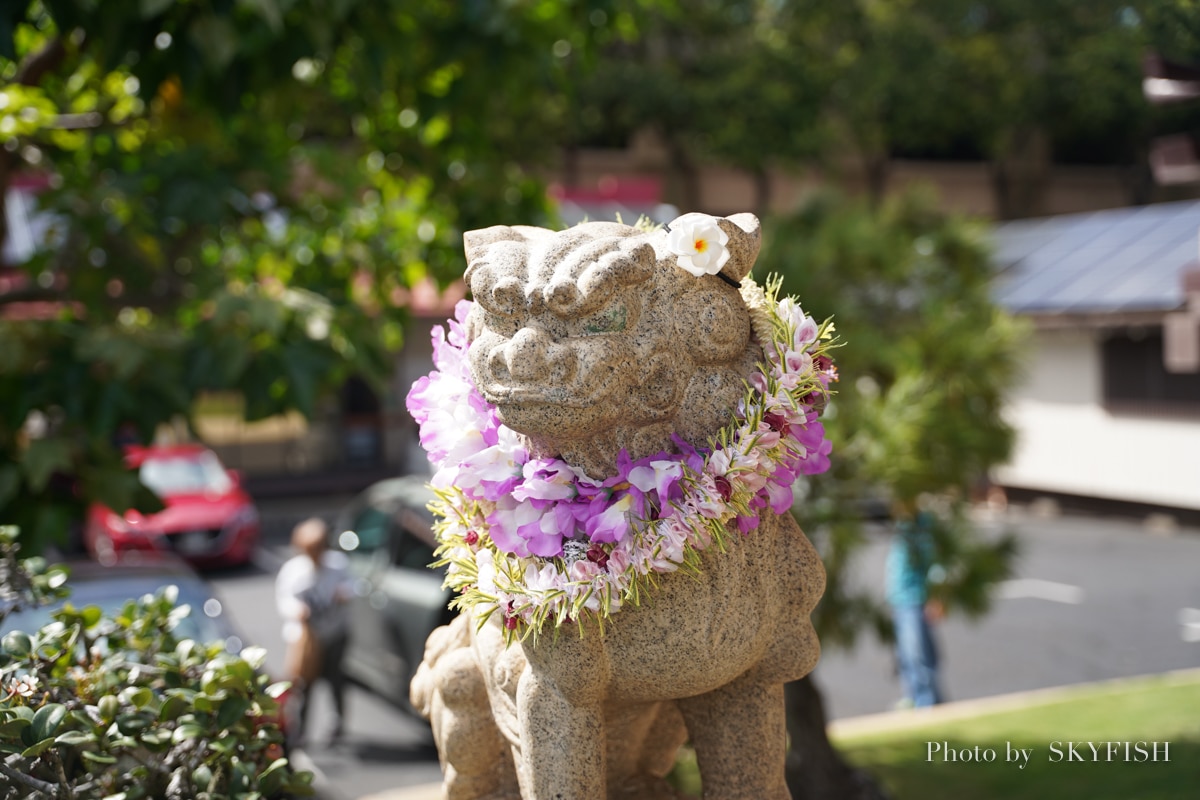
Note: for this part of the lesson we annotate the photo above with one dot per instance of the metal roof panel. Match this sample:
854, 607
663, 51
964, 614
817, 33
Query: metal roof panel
1113, 260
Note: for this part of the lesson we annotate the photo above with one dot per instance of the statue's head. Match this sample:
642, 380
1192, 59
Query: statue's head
594, 339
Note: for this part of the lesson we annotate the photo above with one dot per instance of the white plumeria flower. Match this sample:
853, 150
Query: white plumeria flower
699, 243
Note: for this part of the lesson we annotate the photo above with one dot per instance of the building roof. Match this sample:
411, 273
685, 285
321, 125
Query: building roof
1124, 260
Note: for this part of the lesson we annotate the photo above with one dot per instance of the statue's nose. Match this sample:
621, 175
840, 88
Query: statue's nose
533, 355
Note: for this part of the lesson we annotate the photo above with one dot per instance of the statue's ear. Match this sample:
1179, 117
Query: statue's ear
745, 239
476, 242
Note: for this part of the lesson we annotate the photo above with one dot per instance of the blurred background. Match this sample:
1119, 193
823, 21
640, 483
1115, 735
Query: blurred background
228, 226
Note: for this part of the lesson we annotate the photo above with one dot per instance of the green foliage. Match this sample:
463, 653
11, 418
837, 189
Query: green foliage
241, 195
917, 421
758, 84
26, 583
721, 81
94, 707
930, 76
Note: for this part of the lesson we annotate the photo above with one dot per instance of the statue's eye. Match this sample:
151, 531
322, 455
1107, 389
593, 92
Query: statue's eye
502, 324
610, 320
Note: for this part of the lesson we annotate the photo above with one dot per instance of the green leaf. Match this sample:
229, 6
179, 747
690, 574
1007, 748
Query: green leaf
98, 758
232, 710
172, 708
12, 728
35, 750
17, 644
47, 719
10, 482
90, 615
224, 746
157, 738
186, 732
139, 697
268, 10
216, 39
279, 689
202, 776
271, 784
75, 738
152, 8
45, 457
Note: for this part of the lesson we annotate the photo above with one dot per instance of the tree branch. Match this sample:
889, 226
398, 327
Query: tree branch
33, 68
41, 787
38, 64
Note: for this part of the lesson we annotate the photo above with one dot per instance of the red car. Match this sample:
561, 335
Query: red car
209, 519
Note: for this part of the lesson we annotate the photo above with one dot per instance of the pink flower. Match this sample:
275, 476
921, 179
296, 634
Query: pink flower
798, 361
506, 522
804, 328
546, 479
779, 496
705, 499
661, 476
609, 521
583, 570
491, 473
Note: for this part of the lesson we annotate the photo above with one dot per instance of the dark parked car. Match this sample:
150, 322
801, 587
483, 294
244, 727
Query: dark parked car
386, 535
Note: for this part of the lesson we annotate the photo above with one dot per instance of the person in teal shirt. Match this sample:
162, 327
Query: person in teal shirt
911, 567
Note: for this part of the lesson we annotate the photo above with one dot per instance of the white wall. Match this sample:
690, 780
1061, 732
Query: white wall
1068, 442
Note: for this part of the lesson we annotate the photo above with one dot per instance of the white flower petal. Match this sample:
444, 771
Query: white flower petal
680, 241
686, 263
699, 243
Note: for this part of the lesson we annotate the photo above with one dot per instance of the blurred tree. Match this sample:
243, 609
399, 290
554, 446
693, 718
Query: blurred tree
240, 194
916, 423
1172, 26
1020, 84
757, 83
712, 81
1173, 32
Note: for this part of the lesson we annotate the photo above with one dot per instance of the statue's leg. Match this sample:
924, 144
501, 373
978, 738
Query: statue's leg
562, 743
740, 735
450, 692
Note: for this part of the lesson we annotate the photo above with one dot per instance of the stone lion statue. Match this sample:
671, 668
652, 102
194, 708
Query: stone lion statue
590, 341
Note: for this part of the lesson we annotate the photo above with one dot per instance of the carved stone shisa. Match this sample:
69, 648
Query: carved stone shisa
599, 348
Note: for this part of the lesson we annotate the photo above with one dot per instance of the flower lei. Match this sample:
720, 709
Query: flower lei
537, 540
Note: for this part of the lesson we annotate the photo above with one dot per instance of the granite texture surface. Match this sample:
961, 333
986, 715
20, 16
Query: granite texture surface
587, 341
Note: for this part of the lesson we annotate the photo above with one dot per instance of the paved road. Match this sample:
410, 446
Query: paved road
383, 748
1092, 599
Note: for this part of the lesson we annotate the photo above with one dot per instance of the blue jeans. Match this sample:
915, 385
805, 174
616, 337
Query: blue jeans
917, 655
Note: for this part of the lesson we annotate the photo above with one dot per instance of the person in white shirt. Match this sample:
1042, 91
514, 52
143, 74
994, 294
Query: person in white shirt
312, 591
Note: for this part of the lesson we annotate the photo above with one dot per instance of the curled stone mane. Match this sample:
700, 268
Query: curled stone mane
592, 340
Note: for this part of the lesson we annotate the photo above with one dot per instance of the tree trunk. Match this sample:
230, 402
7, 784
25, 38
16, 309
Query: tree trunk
815, 770
684, 178
876, 169
762, 191
1021, 174
570, 166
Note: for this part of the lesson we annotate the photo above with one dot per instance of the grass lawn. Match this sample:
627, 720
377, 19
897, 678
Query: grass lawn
1163, 709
